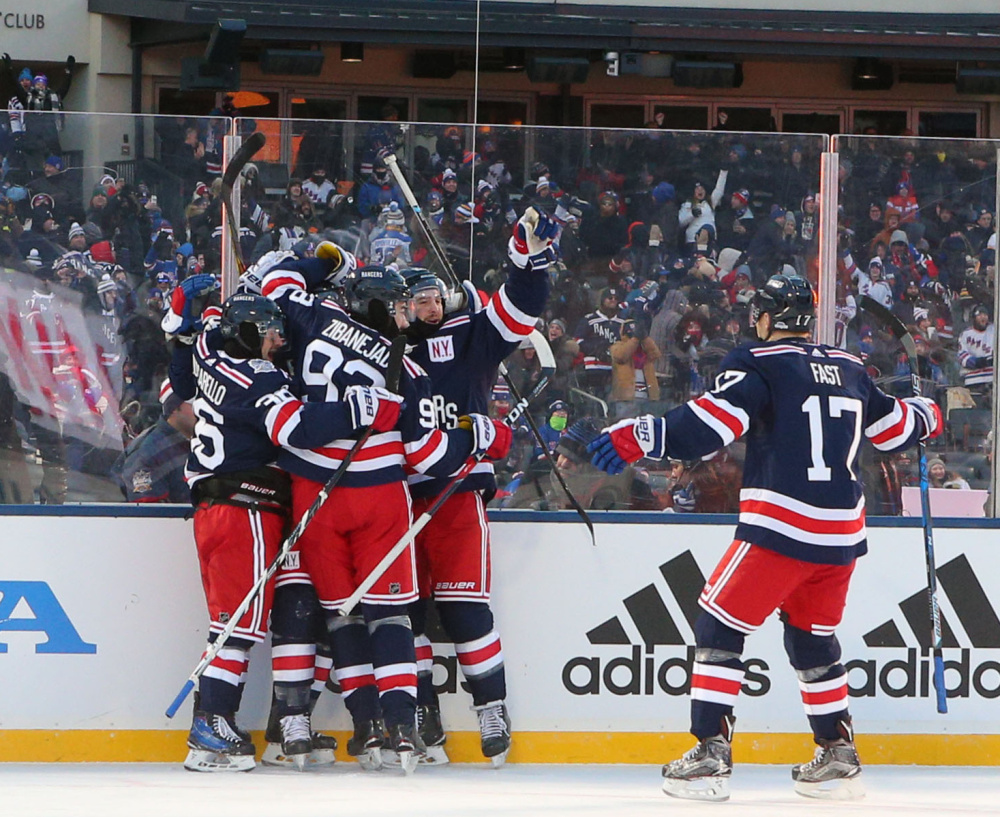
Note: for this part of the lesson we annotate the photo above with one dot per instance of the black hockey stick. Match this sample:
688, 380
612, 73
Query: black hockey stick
239, 160
548, 455
393, 164
896, 327
394, 369
539, 341
521, 407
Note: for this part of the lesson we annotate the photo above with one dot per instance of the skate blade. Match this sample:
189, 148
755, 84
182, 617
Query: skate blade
408, 761
371, 759
273, 756
203, 760
844, 788
500, 759
435, 756
710, 789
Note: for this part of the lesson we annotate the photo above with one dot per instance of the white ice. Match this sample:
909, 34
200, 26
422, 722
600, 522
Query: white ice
160, 790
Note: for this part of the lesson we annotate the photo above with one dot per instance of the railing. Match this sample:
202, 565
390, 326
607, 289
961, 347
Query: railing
84, 379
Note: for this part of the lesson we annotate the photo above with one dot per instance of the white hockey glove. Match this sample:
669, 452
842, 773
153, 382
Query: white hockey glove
491, 439
373, 406
929, 413
531, 244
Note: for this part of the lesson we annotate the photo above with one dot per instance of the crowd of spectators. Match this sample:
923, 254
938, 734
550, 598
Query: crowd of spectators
664, 238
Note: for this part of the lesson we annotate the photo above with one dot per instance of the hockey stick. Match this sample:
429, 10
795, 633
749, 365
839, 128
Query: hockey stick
393, 164
537, 339
896, 327
404, 541
393, 370
245, 153
548, 362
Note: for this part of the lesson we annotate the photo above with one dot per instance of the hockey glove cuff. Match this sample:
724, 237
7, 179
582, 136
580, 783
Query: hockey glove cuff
491, 439
930, 415
628, 441
373, 406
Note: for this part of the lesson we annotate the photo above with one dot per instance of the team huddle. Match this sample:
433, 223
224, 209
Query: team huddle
296, 374
289, 378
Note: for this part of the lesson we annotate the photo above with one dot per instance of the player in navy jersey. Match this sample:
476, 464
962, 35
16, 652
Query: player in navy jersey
461, 351
370, 508
804, 408
244, 407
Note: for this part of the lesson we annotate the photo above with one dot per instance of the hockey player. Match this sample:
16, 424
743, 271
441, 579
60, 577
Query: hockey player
460, 352
370, 508
804, 408
244, 408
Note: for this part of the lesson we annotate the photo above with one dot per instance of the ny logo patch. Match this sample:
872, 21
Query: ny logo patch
292, 562
441, 349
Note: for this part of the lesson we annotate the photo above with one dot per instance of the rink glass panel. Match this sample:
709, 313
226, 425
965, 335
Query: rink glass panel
68, 414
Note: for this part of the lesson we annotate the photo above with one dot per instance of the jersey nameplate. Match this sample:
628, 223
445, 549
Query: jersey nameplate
441, 349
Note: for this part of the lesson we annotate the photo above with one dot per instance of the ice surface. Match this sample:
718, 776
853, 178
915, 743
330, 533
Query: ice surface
160, 790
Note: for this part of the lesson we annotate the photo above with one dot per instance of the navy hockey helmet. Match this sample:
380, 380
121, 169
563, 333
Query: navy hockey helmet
788, 299
247, 318
419, 279
373, 294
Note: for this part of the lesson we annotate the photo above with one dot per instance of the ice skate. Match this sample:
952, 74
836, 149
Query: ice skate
322, 753
215, 745
290, 744
703, 772
432, 734
366, 744
494, 731
833, 774
405, 743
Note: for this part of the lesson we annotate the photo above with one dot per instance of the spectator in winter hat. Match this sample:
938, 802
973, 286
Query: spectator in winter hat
77, 238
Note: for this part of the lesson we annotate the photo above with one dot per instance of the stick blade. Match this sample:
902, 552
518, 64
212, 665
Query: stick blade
250, 147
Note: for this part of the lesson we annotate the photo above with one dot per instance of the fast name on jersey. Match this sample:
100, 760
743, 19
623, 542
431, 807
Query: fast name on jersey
357, 340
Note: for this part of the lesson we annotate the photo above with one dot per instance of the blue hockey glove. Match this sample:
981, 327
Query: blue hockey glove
178, 319
628, 441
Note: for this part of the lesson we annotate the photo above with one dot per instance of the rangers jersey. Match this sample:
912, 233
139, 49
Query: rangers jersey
461, 358
332, 352
804, 408
975, 353
245, 410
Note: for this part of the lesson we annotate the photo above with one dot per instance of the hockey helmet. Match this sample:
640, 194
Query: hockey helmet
373, 294
419, 279
788, 299
247, 318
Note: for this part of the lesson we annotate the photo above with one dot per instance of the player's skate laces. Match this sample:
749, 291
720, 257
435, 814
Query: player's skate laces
702, 773
833, 774
494, 731
215, 745
321, 753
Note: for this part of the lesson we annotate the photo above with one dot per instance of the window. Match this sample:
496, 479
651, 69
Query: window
502, 112
828, 123
604, 115
882, 123
443, 110
749, 119
954, 124
681, 117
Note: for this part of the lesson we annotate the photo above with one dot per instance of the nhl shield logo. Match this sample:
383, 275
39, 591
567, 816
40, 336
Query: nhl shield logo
394, 588
441, 349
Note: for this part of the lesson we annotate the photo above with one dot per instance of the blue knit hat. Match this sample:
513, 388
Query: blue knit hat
25, 74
